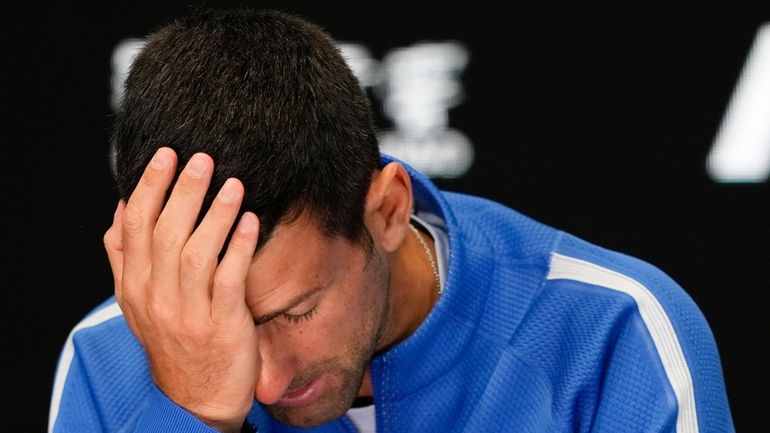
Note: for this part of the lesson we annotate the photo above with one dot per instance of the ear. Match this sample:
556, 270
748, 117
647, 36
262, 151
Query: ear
389, 206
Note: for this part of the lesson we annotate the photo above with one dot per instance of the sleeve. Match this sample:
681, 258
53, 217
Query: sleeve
73, 407
79, 411
163, 415
103, 384
663, 367
639, 390
659, 369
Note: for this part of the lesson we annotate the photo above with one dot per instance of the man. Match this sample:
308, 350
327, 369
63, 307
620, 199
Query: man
263, 251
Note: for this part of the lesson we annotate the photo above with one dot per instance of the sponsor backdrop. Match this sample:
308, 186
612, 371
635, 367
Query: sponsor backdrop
610, 121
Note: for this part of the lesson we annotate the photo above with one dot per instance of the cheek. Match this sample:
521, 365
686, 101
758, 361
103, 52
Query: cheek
347, 322
335, 323
347, 315
344, 321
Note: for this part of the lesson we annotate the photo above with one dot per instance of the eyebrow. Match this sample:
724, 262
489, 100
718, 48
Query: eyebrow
298, 300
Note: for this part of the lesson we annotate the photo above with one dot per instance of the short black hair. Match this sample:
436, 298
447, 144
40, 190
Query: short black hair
269, 97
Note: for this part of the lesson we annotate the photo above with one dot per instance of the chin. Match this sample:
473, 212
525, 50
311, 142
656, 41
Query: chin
334, 401
327, 408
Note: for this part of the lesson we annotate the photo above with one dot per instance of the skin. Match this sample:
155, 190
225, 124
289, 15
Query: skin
308, 308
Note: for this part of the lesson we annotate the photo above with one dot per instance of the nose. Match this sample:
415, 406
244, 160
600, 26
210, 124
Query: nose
276, 371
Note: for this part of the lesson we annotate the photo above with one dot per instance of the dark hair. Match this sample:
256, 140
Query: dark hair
270, 98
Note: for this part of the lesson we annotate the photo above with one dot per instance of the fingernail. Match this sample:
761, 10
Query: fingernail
229, 191
160, 160
197, 166
248, 223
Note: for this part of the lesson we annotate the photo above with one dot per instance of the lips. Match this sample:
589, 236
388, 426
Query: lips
304, 395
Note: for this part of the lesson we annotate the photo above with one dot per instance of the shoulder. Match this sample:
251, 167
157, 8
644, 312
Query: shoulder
590, 321
96, 339
488, 224
101, 332
101, 365
666, 310
525, 255
624, 328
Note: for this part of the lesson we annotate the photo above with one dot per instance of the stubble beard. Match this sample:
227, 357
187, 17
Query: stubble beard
342, 388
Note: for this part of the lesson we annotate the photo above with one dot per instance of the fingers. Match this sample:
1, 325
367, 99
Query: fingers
167, 302
174, 226
199, 255
162, 263
113, 244
142, 210
228, 291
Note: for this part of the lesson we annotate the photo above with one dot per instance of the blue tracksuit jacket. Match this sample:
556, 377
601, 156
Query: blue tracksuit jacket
537, 331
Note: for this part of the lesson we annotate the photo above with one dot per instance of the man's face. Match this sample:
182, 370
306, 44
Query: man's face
322, 306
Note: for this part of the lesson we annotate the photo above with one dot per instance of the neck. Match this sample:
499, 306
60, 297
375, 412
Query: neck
412, 295
413, 288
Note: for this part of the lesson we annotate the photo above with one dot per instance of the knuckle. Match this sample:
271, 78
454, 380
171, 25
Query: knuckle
150, 180
194, 260
239, 246
160, 312
186, 192
194, 327
226, 282
112, 240
133, 221
108, 239
164, 237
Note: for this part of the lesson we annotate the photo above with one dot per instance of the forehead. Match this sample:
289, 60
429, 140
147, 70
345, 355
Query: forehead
297, 259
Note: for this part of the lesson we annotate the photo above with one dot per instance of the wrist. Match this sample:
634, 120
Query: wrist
224, 424
225, 427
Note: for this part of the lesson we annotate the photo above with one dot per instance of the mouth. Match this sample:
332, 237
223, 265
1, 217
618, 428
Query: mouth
303, 395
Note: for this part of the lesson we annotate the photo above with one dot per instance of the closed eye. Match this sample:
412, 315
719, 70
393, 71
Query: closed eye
297, 318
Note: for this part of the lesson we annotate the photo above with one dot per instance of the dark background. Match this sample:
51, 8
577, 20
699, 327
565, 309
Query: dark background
595, 118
